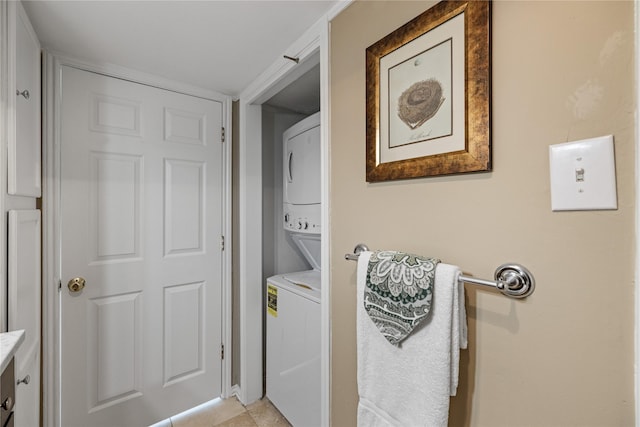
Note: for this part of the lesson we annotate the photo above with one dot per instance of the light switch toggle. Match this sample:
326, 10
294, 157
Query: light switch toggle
583, 175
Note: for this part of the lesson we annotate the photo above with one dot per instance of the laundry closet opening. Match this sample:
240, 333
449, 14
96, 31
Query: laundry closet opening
291, 215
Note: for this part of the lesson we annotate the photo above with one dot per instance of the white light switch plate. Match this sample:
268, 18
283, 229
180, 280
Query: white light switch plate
583, 175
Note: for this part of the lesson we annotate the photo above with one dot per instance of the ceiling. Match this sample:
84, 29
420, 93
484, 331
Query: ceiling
222, 45
302, 95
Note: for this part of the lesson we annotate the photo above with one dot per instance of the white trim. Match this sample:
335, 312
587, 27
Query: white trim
50, 242
12, 14
250, 210
5, 84
135, 76
51, 216
271, 80
325, 223
235, 390
267, 84
338, 8
227, 267
250, 263
250, 207
637, 218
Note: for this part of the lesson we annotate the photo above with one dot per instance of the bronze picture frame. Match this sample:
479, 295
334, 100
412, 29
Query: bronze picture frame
428, 92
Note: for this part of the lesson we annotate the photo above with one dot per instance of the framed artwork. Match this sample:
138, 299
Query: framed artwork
428, 95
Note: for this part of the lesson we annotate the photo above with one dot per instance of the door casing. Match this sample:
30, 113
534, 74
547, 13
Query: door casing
315, 40
274, 79
637, 219
52, 64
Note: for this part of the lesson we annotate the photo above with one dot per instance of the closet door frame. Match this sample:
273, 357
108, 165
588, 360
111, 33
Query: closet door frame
52, 64
7, 9
637, 235
315, 40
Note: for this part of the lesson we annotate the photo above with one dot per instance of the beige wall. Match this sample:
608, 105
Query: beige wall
564, 357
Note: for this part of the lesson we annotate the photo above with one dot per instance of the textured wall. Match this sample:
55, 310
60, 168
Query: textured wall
564, 357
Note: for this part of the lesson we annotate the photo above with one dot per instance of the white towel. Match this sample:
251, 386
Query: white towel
410, 385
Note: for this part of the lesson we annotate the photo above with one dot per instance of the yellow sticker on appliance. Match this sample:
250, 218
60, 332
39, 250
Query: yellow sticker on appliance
272, 300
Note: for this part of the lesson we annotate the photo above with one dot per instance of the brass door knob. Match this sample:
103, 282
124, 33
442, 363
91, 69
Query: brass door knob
76, 284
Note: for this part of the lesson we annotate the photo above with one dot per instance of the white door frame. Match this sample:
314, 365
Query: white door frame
7, 129
250, 233
637, 207
51, 215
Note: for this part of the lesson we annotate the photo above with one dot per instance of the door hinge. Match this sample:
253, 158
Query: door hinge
222, 351
223, 134
222, 243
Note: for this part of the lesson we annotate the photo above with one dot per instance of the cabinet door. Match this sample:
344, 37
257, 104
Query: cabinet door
24, 309
24, 149
7, 393
28, 392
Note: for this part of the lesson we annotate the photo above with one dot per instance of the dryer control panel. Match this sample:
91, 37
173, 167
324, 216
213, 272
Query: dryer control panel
302, 218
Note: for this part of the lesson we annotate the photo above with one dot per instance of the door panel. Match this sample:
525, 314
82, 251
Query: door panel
184, 207
114, 359
114, 206
141, 215
183, 331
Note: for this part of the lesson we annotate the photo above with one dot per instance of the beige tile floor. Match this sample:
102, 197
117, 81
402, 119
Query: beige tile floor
229, 413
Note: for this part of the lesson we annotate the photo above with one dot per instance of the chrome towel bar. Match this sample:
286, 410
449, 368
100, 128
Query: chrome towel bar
513, 280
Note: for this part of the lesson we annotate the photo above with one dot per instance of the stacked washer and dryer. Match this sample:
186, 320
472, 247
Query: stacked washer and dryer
293, 299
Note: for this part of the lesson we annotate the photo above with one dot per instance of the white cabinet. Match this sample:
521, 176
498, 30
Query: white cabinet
20, 186
24, 289
24, 149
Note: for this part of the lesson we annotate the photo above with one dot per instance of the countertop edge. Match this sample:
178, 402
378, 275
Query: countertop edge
9, 344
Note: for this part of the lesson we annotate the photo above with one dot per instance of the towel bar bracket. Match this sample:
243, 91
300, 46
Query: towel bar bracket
360, 247
516, 280
513, 280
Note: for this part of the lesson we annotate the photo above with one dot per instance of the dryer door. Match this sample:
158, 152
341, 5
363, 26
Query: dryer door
302, 168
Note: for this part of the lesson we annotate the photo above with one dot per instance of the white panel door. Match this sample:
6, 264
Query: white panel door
24, 310
141, 220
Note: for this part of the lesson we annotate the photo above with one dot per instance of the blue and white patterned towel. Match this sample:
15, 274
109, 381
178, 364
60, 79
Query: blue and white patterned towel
398, 293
